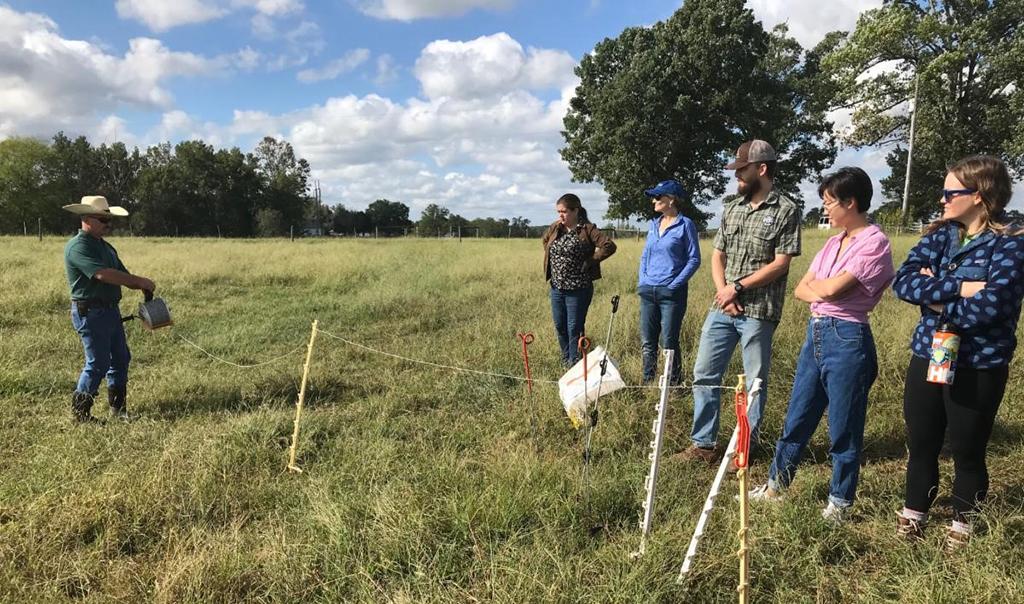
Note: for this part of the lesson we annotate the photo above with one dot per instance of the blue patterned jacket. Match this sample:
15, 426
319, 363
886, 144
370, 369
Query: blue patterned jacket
987, 321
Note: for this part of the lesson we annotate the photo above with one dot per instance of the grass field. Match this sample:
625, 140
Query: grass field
422, 484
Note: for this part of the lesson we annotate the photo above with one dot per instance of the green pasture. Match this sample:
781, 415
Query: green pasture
422, 484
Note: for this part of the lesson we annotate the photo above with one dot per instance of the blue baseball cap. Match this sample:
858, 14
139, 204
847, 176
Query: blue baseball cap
666, 187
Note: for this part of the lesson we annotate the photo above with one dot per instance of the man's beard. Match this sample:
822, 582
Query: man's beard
748, 189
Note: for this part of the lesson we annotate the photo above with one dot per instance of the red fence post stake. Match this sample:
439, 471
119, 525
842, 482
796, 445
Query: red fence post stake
527, 339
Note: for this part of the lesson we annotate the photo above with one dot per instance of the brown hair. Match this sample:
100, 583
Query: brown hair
572, 202
989, 177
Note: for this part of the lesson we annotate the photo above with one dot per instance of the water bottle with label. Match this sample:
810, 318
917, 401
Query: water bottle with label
945, 346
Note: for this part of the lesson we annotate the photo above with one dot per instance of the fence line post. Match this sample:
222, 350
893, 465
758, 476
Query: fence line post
302, 399
39, 224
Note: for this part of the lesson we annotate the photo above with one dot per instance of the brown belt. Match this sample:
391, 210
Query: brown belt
83, 306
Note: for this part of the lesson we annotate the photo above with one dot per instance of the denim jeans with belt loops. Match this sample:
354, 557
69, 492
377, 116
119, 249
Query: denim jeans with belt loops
835, 371
569, 310
719, 337
106, 349
661, 318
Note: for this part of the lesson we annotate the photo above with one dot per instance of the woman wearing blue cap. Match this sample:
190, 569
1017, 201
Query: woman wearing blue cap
670, 257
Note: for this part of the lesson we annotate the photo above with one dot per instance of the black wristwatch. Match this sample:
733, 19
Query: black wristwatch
736, 285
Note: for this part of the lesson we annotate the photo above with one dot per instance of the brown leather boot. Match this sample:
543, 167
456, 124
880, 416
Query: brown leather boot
117, 397
695, 453
81, 404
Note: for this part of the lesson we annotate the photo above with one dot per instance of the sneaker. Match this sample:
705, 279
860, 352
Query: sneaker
955, 540
908, 528
834, 513
764, 493
695, 453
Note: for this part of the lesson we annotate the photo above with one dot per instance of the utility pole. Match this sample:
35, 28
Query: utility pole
910, 151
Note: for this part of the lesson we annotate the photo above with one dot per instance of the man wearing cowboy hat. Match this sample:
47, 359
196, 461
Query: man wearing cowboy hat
96, 275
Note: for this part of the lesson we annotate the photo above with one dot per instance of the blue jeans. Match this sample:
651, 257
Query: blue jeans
569, 309
661, 317
836, 368
106, 349
718, 338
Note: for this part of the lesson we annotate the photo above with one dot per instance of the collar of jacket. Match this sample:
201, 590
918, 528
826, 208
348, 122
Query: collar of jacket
955, 250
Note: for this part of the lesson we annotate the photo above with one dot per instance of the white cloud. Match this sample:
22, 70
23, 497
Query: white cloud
275, 8
51, 82
246, 59
489, 65
810, 20
482, 150
302, 41
493, 152
387, 70
344, 64
410, 10
161, 15
263, 26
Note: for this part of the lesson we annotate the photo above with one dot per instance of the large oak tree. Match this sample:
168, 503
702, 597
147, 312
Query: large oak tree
677, 98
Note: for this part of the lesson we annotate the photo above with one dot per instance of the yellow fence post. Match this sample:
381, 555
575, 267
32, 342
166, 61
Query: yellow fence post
302, 399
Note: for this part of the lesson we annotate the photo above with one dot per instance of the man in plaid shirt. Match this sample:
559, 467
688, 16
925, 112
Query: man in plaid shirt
758, 236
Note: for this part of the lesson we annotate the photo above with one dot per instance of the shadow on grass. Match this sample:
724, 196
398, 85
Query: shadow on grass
271, 393
1007, 435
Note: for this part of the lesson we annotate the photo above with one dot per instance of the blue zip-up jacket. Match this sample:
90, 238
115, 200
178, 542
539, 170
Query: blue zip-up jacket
987, 321
670, 259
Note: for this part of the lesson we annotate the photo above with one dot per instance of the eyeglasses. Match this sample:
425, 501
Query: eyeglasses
949, 194
103, 219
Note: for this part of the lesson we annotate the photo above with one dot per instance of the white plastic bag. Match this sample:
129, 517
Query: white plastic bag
575, 394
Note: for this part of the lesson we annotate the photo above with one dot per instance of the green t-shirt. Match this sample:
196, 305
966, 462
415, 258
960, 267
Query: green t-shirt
84, 256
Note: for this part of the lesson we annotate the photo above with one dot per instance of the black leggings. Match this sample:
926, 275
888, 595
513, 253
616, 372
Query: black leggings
968, 409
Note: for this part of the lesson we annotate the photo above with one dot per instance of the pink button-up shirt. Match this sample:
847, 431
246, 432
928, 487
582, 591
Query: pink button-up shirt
869, 259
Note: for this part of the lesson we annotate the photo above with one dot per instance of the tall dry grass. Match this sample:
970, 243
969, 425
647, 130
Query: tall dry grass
420, 484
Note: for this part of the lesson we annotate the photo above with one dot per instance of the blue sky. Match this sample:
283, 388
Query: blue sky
454, 102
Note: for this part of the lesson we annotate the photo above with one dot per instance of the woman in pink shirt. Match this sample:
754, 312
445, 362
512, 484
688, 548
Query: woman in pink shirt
837, 363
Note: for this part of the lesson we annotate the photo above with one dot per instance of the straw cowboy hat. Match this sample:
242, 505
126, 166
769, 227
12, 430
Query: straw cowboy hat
96, 205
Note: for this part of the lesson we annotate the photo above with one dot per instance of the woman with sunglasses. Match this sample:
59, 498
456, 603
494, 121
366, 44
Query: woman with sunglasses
837, 363
967, 271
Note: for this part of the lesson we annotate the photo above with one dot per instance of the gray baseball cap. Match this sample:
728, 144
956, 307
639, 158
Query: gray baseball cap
752, 152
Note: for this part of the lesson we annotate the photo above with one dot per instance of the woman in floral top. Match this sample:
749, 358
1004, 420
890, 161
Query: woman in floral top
573, 250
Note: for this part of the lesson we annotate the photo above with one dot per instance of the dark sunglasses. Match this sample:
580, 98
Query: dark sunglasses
949, 194
103, 219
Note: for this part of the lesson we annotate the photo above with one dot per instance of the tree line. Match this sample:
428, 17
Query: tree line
192, 189
186, 189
